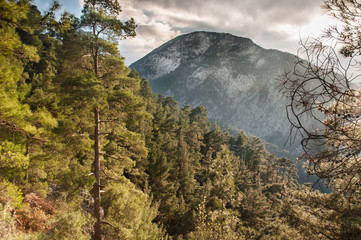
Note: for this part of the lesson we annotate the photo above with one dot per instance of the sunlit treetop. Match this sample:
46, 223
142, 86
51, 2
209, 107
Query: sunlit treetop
102, 18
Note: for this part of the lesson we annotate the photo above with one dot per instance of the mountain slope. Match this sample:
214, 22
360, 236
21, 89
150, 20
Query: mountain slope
231, 76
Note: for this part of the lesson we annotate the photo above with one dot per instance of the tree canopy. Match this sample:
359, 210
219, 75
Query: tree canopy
166, 171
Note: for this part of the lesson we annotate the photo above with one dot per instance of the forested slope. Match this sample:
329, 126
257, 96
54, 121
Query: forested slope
166, 173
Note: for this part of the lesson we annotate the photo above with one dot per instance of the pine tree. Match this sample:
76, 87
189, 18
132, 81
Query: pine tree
100, 17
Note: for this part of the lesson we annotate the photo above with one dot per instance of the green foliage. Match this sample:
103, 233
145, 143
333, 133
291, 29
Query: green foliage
101, 18
129, 213
219, 224
13, 156
69, 223
10, 194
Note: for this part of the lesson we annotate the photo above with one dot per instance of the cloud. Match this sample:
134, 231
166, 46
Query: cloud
149, 36
273, 10
270, 23
81, 2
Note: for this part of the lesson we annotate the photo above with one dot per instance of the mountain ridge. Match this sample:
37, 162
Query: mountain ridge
231, 76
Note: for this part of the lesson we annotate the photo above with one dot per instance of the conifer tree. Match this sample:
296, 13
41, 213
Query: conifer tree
101, 18
17, 130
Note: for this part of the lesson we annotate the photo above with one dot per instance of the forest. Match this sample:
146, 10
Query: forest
165, 172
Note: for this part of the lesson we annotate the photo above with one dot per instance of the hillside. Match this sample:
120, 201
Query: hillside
235, 79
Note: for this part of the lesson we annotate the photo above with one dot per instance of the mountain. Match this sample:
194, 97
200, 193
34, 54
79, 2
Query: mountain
231, 76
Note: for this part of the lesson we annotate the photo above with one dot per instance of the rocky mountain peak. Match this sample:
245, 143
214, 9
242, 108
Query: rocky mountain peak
194, 46
231, 76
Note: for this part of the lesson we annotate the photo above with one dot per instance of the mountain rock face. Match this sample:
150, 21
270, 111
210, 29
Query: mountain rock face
231, 76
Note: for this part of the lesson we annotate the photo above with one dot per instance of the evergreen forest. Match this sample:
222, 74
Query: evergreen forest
166, 171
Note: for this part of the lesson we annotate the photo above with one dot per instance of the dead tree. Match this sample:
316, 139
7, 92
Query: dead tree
320, 89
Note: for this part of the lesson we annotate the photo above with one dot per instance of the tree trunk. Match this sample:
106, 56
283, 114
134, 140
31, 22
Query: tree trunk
97, 226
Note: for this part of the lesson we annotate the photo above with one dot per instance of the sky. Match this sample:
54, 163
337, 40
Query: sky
272, 24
